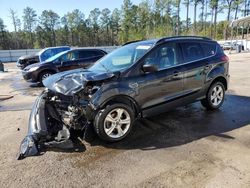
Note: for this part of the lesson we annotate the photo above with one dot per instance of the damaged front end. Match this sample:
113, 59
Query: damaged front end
51, 119
58, 111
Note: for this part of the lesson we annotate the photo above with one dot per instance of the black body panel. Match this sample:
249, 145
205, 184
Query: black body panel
59, 65
167, 73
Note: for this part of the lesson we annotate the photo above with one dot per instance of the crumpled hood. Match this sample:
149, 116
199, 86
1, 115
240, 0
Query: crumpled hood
70, 82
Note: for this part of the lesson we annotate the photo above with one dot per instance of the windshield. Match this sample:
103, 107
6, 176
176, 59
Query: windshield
53, 58
122, 58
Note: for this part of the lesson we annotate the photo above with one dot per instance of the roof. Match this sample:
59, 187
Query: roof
183, 37
244, 21
164, 39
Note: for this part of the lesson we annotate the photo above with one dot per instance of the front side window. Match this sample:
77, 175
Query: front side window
163, 57
70, 56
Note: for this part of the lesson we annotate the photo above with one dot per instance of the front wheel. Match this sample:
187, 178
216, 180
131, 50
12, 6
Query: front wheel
114, 122
44, 75
215, 96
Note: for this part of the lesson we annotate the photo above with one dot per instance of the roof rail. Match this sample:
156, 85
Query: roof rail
176, 37
130, 42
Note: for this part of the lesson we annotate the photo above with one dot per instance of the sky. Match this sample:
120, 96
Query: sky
61, 7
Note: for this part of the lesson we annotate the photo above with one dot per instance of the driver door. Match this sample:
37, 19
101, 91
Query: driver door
157, 89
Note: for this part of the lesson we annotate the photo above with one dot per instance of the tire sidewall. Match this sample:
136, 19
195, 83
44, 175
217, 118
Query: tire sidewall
101, 115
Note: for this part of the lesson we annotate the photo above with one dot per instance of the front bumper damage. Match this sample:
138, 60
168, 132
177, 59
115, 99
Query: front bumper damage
47, 127
62, 110
37, 129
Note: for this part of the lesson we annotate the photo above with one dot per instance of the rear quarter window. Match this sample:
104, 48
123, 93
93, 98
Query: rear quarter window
86, 54
99, 53
209, 49
219, 49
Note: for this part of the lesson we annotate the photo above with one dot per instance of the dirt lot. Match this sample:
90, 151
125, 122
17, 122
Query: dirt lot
188, 147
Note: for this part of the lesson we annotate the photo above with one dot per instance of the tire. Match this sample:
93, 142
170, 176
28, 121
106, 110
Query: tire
213, 100
43, 75
108, 123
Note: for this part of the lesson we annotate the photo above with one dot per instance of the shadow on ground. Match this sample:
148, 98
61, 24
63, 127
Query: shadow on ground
182, 125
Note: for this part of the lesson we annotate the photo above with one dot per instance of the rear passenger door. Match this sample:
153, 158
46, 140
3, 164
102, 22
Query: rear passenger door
196, 59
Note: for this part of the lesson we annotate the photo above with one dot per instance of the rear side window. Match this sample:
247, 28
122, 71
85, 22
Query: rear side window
86, 54
192, 51
208, 48
98, 53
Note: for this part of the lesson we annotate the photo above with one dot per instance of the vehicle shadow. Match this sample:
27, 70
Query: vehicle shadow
186, 124
177, 127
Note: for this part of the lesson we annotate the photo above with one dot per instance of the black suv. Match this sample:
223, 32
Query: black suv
137, 80
67, 60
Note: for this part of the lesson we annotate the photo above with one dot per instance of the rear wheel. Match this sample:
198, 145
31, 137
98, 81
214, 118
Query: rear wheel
215, 96
114, 122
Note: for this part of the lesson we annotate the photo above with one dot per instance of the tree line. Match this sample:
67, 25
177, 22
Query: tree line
148, 19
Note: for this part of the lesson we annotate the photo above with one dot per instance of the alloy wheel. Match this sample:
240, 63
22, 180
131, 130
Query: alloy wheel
46, 75
117, 123
217, 95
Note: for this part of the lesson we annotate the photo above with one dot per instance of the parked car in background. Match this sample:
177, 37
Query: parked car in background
41, 56
229, 45
67, 60
137, 80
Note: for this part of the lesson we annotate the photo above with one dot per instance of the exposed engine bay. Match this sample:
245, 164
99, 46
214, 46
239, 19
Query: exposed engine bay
58, 111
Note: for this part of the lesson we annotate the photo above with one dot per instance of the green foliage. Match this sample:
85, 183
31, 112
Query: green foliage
148, 19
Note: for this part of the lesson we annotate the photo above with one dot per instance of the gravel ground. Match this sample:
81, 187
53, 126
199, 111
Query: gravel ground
187, 147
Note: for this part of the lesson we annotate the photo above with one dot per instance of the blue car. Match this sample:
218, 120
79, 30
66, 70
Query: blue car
41, 56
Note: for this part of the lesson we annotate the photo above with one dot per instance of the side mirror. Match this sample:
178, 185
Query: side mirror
149, 68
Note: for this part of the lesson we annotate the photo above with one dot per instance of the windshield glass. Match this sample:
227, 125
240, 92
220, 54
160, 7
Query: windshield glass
121, 58
53, 58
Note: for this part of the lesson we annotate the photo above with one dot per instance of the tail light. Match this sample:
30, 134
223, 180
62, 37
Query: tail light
225, 59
